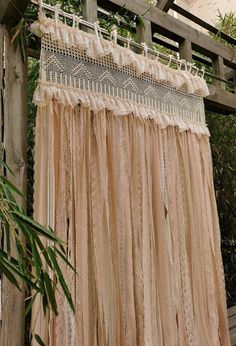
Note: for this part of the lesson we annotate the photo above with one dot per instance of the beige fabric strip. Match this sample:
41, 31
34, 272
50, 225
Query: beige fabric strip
135, 204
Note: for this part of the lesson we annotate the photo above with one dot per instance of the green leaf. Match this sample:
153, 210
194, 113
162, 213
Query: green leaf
39, 340
50, 292
64, 259
43, 251
30, 304
61, 278
22, 276
4, 164
45, 232
37, 264
11, 186
8, 274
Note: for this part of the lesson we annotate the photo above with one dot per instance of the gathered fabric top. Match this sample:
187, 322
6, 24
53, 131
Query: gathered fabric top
77, 67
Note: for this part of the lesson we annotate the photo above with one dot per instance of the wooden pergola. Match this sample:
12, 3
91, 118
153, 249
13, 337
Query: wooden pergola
160, 27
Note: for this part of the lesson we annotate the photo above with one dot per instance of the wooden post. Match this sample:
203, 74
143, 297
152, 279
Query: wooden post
165, 5
14, 116
185, 50
89, 12
144, 33
234, 80
218, 71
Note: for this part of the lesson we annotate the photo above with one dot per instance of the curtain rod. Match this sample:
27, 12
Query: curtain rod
127, 41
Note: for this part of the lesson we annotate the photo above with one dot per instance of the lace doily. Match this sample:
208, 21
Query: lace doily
78, 67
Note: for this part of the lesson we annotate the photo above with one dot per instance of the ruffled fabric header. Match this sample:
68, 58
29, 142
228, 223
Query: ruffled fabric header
97, 47
45, 93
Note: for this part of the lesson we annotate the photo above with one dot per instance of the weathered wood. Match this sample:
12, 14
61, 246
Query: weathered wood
176, 30
165, 5
234, 80
220, 101
202, 23
11, 11
15, 138
89, 12
1, 87
185, 50
144, 33
219, 71
232, 324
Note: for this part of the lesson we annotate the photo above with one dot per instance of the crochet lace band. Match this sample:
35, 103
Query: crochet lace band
78, 67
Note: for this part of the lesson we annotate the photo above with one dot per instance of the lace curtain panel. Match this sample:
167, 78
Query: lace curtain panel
123, 174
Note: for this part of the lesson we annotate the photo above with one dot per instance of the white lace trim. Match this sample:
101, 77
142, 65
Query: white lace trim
96, 47
46, 92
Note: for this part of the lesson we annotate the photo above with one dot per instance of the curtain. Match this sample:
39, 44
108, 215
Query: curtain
126, 182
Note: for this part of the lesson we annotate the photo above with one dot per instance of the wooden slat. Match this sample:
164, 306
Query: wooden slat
1, 87
89, 12
144, 33
165, 5
219, 71
220, 101
232, 324
176, 30
232, 311
11, 11
202, 23
15, 137
185, 50
234, 81
233, 339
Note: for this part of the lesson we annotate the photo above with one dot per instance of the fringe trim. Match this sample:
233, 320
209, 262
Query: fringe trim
47, 92
97, 47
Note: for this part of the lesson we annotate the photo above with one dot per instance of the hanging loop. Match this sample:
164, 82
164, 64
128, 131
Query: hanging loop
170, 59
145, 48
191, 66
57, 10
157, 56
113, 35
40, 3
97, 30
203, 70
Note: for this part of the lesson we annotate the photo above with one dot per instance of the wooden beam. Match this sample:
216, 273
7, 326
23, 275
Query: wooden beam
176, 30
165, 5
220, 101
144, 33
218, 71
234, 80
11, 11
89, 12
14, 114
185, 50
203, 24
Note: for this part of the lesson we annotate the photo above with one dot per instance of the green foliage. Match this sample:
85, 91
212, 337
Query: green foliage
223, 143
227, 24
223, 137
31, 250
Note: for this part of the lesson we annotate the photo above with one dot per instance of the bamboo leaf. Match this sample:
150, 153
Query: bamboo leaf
5, 165
30, 304
37, 263
22, 276
8, 274
50, 292
11, 186
36, 226
39, 340
61, 278
64, 259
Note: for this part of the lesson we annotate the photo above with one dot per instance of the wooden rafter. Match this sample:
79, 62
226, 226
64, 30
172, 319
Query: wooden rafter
11, 11
165, 5
173, 28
